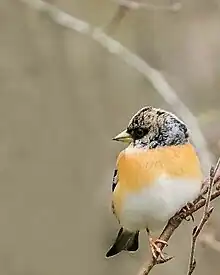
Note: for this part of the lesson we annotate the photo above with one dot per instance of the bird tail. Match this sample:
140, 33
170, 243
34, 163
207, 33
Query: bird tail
125, 241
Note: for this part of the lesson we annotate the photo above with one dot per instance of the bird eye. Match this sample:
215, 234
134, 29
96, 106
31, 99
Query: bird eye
139, 133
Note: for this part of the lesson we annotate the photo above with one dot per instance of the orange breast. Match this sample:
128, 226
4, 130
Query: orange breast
138, 168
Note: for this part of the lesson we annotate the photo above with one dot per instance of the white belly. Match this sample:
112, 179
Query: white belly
154, 205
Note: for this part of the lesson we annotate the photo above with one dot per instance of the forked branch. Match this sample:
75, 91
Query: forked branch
206, 215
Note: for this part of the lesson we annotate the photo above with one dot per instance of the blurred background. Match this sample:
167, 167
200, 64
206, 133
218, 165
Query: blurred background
62, 98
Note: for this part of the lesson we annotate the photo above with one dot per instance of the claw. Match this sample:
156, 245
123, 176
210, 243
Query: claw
155, 250
185, 209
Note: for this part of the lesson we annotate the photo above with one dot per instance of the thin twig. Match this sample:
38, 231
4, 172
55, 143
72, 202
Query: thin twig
124, 6
177, 219
134, 5
206, 215
155, 77
116, 19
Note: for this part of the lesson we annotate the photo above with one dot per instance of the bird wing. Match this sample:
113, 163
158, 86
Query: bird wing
114, 179
114, 184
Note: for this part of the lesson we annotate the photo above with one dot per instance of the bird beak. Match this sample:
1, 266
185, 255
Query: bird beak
124, 137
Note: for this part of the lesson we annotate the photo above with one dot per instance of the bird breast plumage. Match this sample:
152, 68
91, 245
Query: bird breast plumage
154, 184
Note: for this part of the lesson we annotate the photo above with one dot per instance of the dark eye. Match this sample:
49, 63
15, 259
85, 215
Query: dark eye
139, 133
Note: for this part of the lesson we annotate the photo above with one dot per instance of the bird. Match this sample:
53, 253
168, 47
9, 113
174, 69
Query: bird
157, 174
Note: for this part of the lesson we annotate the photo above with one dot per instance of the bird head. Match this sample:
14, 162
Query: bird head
152, 127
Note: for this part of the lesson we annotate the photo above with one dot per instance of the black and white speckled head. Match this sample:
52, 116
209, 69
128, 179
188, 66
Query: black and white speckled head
151, 127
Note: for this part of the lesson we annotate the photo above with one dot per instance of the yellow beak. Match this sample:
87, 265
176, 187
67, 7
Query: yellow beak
124, 137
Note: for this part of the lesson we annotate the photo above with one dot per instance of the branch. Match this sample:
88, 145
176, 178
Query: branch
134, 5
118, 17
206, 215
177, 219
124, 6
156, 79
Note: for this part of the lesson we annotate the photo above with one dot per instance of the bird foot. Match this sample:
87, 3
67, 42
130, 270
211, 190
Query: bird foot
157, 252
185, 209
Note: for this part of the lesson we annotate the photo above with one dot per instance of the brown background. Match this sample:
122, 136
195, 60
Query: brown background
62, 99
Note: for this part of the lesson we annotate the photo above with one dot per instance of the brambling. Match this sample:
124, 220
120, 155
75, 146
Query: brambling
155, 176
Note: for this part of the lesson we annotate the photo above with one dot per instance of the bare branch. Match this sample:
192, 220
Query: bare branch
206, 215
156, 79
177, 219
117, 18
134, 5
124, 6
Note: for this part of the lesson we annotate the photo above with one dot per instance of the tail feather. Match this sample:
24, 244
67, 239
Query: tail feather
134, 244
125, 241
